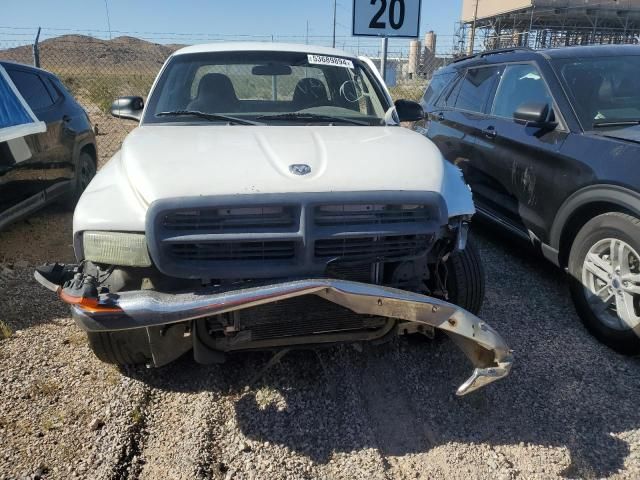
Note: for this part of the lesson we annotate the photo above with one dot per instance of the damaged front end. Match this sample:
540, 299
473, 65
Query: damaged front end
249, 316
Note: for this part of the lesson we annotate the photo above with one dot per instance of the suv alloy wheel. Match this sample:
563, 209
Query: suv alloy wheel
605, 269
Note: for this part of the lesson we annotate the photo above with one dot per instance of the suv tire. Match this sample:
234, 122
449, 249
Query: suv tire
593, 268
130, 347
85, 171
465, 279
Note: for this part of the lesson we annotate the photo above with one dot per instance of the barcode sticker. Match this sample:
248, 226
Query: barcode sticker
324, 60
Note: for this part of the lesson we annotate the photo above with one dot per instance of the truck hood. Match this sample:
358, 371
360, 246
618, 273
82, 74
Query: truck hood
159, 162
163, 161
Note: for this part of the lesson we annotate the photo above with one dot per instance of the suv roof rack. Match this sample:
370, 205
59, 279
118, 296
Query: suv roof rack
493, 52
506, 50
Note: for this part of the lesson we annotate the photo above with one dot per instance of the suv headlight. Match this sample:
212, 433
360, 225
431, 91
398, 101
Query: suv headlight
116, 248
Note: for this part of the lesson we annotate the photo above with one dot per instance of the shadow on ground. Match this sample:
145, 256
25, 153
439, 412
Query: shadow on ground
566, 390
44, 237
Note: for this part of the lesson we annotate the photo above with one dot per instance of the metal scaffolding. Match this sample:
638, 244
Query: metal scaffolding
545, 24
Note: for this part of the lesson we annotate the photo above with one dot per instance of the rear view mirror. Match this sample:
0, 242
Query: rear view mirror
537, 115
127, 107
271, 69
409, 111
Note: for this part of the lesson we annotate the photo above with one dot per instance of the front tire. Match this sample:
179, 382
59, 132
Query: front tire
604, 265
465, 279
130, 347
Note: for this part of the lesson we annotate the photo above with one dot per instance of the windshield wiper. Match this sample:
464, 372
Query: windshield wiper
208, 116
311, 116
615, 123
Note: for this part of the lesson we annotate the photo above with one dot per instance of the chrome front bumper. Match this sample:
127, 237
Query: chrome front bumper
485, 348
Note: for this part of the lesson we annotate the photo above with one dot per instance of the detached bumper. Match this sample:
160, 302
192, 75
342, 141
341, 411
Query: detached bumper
485, 348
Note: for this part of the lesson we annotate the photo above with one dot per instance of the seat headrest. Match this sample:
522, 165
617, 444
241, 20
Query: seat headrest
310, 92
216, 84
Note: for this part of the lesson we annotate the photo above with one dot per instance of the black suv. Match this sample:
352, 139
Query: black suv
55, 165
549, 142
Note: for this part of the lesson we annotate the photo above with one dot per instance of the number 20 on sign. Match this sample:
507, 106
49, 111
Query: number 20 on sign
386, 18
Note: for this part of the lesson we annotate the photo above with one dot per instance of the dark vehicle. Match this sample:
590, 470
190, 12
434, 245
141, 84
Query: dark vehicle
549, 142
55, 165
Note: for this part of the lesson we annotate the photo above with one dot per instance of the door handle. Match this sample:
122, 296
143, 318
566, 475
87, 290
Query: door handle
490, 132
440, 116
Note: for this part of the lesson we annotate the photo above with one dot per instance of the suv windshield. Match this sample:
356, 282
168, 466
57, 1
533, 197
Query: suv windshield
268, 87
605, 91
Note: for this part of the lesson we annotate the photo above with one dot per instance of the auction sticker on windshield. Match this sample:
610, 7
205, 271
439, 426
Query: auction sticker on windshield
325, 60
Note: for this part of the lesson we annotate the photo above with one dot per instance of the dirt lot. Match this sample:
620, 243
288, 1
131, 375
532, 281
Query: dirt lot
569, 409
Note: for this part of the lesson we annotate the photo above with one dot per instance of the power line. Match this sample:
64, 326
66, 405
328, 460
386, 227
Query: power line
72, 29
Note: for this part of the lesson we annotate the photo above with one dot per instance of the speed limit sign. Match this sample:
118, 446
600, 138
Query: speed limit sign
386, 18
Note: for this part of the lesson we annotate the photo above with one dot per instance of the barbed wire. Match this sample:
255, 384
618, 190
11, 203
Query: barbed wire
359, 45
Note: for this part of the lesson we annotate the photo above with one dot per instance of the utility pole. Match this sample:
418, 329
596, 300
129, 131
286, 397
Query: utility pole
307, 37
473, 30
106, 6
335, 5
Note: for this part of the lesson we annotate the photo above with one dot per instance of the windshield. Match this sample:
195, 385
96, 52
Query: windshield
268, 87
603, 90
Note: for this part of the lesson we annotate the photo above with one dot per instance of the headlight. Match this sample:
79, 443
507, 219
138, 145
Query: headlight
115, 248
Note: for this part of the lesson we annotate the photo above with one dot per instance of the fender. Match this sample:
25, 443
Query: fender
83, 139
621, 196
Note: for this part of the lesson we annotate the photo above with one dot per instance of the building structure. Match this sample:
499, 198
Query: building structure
491, 24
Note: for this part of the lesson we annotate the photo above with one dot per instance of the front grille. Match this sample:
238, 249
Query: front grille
362, 272
377, 248
229, 251
223, 220
265, 236
308, 315
369, 214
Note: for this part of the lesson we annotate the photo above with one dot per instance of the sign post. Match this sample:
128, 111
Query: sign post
386, 19
383, 58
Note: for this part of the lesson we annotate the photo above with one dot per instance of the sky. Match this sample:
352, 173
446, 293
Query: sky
194, 21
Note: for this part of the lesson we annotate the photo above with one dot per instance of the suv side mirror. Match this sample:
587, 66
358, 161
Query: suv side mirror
537, 115
409, 111
127, 107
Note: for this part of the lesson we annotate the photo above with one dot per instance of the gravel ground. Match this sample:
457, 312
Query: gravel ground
568, 410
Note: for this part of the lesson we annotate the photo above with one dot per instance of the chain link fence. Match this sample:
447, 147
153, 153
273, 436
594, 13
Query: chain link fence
96, 71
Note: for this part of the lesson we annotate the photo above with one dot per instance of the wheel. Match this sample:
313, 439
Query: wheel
465, 279
130, 347
604, 265
85, 172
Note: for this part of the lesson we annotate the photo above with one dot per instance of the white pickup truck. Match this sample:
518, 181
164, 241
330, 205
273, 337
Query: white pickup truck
270, 199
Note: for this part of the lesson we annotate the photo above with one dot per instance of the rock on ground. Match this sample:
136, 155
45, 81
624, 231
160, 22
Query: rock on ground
568, 410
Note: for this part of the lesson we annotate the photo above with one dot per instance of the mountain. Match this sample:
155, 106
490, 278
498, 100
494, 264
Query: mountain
81, 51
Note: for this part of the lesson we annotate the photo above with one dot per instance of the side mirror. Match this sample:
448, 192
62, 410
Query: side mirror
127, 107
538, 115
409, 111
